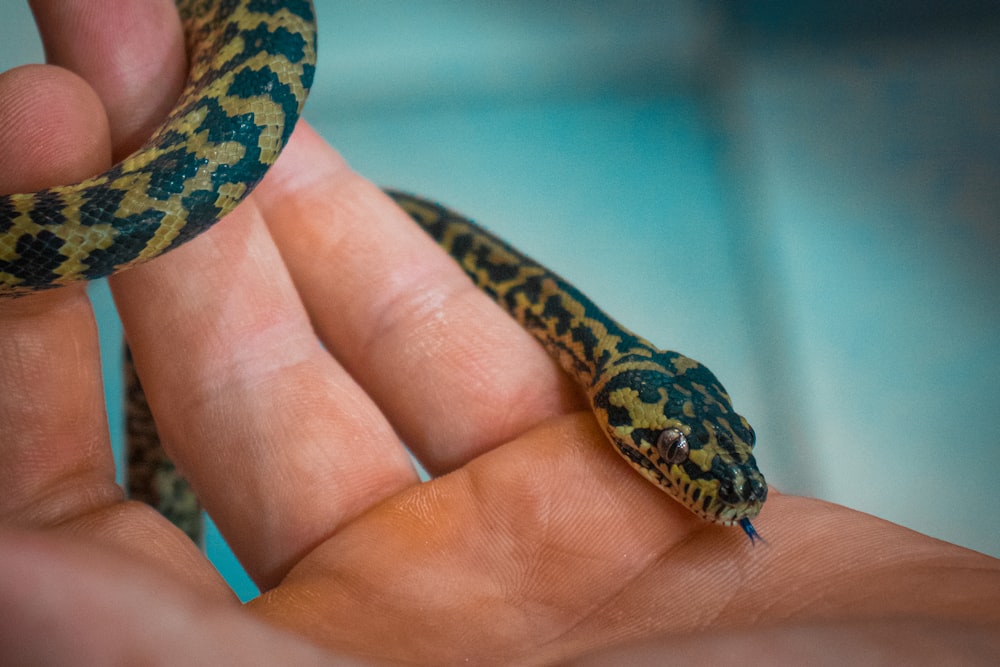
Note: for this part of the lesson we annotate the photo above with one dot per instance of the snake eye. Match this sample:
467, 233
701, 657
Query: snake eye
673, 446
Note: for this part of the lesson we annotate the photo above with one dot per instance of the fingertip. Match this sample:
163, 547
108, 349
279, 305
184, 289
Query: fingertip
53, 129
131, 51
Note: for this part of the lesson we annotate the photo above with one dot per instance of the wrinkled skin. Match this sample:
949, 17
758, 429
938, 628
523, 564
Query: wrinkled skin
540, 546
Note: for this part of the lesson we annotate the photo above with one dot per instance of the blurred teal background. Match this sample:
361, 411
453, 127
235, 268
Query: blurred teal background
804, 196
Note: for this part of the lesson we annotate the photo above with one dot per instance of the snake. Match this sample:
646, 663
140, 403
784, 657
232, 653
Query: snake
251, 65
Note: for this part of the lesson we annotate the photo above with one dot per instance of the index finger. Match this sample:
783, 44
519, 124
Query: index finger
131, 52
455, 374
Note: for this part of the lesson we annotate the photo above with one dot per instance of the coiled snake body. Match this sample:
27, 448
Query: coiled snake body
251, 66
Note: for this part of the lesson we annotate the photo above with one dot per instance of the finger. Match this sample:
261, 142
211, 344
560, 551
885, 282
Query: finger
58, 468
57, 461
130, 51
54, 129
455, 375
278, 441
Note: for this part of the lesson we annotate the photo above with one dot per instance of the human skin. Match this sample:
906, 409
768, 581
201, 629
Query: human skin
286, 353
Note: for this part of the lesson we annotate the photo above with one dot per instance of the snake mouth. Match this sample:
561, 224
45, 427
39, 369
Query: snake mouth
700, 496
726, 515
730, 516
702, 500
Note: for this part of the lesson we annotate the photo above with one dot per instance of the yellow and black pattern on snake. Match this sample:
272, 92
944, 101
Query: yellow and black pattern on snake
665, 413
150, 476
251, 63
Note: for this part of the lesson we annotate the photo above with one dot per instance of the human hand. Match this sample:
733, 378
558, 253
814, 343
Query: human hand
534, 543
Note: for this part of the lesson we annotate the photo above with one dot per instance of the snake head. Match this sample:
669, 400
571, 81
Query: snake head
672, 420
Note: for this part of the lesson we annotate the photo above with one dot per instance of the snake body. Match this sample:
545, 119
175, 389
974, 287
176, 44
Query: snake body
251, 66
665, 413
251, 63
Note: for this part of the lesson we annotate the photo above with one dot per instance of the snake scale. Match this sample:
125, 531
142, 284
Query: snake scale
251, 65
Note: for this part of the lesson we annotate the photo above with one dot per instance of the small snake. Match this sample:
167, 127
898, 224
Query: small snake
251, 66
665, 413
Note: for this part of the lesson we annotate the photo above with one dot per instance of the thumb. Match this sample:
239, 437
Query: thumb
53, 129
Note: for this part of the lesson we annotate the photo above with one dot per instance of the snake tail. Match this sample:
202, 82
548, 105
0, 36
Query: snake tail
251, 64
665, 413
151, 477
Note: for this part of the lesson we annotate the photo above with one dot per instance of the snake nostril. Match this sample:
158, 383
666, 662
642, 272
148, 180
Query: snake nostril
727, 491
